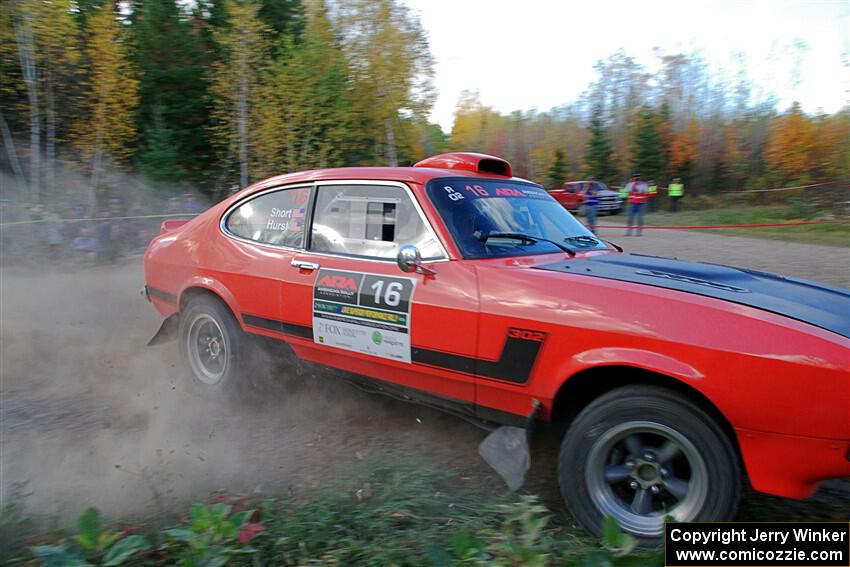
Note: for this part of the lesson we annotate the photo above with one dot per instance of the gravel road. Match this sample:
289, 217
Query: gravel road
828, 264
90, 416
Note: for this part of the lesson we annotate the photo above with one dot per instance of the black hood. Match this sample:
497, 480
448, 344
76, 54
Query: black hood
821, 305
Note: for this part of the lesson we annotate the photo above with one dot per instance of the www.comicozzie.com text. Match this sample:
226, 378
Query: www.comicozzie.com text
743, 534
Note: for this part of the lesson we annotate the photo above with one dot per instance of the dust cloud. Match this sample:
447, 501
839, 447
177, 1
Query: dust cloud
93, 417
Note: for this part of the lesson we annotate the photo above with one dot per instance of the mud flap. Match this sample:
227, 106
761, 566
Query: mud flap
167, 331
508, 450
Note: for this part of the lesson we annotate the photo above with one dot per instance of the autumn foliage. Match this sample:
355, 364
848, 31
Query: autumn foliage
219, 93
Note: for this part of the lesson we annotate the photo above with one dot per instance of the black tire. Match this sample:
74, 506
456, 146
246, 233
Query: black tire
212, 345
640, 453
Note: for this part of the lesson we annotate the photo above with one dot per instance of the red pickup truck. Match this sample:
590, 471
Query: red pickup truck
571, 197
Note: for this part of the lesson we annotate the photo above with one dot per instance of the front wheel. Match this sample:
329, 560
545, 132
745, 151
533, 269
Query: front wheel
642, 453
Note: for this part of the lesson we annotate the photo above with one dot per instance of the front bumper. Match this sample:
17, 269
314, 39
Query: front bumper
611, 205
790, 465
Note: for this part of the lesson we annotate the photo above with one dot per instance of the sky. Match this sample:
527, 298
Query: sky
527, 54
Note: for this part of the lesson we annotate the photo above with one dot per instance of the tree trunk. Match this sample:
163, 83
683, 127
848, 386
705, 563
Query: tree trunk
9, 143
26, 54
391, 154
50, 141
242, 120
97, 158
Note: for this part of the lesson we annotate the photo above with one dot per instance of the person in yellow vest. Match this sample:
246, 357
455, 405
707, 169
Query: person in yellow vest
624, 193
651, 194
675, 191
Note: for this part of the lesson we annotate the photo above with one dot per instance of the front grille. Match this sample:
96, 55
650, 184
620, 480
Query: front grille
609, 202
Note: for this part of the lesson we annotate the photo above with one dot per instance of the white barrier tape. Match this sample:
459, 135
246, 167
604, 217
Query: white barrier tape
178, 215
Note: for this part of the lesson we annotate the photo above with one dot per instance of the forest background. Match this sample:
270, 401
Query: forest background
211, 95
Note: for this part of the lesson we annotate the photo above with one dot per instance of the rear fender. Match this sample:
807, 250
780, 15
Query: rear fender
217, 288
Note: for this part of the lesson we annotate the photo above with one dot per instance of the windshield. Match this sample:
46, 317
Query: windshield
475, 209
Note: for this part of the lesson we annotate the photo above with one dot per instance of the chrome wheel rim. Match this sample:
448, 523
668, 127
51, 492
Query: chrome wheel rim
640, 472
207, 349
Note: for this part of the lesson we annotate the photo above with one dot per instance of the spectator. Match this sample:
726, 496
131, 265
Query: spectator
138, 235
637, 201
73, 223
675, 191
46, 230
7, 243
191, 205
174, 206
591, 200
86, 244
53, 234
651, 195
108, 238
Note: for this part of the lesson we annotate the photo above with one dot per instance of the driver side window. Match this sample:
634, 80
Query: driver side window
369, 220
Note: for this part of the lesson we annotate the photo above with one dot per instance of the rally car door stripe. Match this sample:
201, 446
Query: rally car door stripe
279, 326
515, 363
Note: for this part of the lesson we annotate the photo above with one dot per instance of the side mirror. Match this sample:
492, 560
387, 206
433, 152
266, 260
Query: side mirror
410, 261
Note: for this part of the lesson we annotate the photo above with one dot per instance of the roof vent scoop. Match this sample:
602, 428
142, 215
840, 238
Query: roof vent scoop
479, 163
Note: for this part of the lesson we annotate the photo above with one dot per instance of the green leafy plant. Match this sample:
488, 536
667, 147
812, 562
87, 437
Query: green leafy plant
615, 540
213, 535
465, 549
519, 540
90, 544
619, 549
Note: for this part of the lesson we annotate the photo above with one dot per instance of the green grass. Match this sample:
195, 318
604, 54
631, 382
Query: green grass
836, 234
384, 514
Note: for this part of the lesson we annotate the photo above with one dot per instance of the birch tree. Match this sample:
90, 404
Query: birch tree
392, 66
106, 128
24, 15
303, 116
58, 57
10, 89
244, 47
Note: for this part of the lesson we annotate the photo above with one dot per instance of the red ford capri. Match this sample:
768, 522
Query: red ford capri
456, 283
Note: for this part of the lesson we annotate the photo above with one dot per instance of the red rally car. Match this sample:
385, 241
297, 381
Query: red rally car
456, 283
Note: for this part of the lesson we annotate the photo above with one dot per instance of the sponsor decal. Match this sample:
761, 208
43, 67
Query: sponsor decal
366, 313
338, 282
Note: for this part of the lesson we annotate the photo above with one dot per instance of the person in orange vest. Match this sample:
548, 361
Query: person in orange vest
637, 201
651, 195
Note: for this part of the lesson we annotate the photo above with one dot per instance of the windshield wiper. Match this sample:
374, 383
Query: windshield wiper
527, 238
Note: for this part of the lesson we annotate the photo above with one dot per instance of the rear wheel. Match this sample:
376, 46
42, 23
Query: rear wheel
211, 342
642, 453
